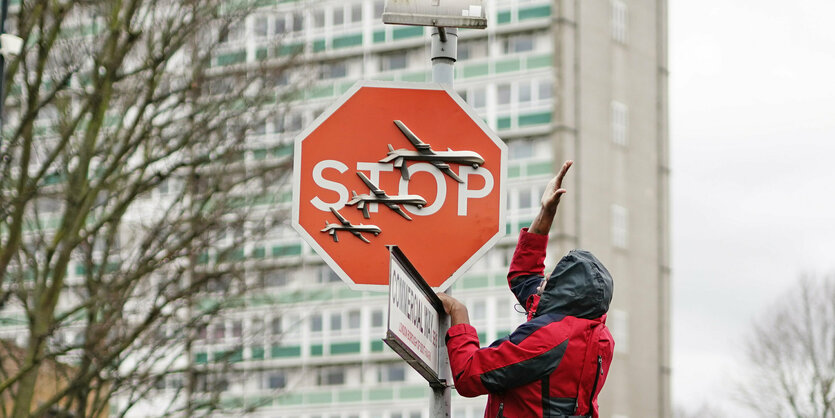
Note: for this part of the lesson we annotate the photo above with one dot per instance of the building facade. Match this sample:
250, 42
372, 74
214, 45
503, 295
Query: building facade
556, 79
582, 80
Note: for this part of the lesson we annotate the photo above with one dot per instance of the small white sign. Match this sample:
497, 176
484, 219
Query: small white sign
414, 321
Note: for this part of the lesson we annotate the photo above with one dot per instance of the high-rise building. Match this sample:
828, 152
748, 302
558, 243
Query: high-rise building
582, 80
556, 79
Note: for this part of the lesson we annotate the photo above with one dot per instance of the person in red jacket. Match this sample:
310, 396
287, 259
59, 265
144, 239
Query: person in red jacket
555, 364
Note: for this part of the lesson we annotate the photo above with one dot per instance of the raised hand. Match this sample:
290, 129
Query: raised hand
550, 200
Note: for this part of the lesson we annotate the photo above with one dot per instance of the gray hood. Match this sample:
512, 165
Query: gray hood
579, 286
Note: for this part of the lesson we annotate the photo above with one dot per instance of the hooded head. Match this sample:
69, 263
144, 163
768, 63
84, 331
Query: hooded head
579, 286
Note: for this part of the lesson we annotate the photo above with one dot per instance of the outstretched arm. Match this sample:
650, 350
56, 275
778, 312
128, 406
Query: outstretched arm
550, 200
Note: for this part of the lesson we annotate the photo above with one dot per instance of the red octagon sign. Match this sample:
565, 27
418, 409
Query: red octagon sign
400, 164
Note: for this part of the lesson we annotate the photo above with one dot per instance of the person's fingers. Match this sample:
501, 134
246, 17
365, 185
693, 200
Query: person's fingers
563, 171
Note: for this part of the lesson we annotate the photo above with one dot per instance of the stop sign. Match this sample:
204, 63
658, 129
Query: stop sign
400, 164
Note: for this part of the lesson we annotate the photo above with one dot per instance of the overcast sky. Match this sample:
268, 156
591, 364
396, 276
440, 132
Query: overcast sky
752, 111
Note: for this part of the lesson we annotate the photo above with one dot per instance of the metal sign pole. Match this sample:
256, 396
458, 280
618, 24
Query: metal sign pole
444, 53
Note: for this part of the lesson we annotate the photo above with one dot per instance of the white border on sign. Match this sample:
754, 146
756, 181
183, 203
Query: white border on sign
403, 85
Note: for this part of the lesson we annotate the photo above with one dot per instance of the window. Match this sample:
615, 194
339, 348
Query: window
395, 61
331, 376
377, 319
520, 149
280, 25
219, 332
327, 275
620, 226
201, 332
619, 19
275, 278
525, 198
319, 18
546, 89
620, 123
237, 328
275, 326
316, 323
261, 26
392, 373
354, 319
475, 96
287, 123
336, 322
293, 123
257, 326
356, 13
503, 94
260, 128
472, 49
335, 70
234, 33
524, 89
479, 310
378, 8
518, 43
298, 22
276, 380
338, 16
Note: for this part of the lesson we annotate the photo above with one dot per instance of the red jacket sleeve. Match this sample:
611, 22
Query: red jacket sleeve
527, 266
502, 366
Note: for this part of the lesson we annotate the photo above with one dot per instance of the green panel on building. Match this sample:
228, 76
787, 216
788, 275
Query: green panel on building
382, 394
231, 58
535, 119
278, 351
287, 250
319, 397
503, 122
290, 49
347, 41
414, 77
259, 252
475, 70
261, 54
257, 353
283, 151
351, 395
201, 358
228, 356
470, 282
379, 36
537, 169
319, 45
508, 65
540, 61
503, 17
413, 392
320, 92
291, 399
316, 350
345, 348
259, 154
535, 12
482, 338
406, 32
376, 346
